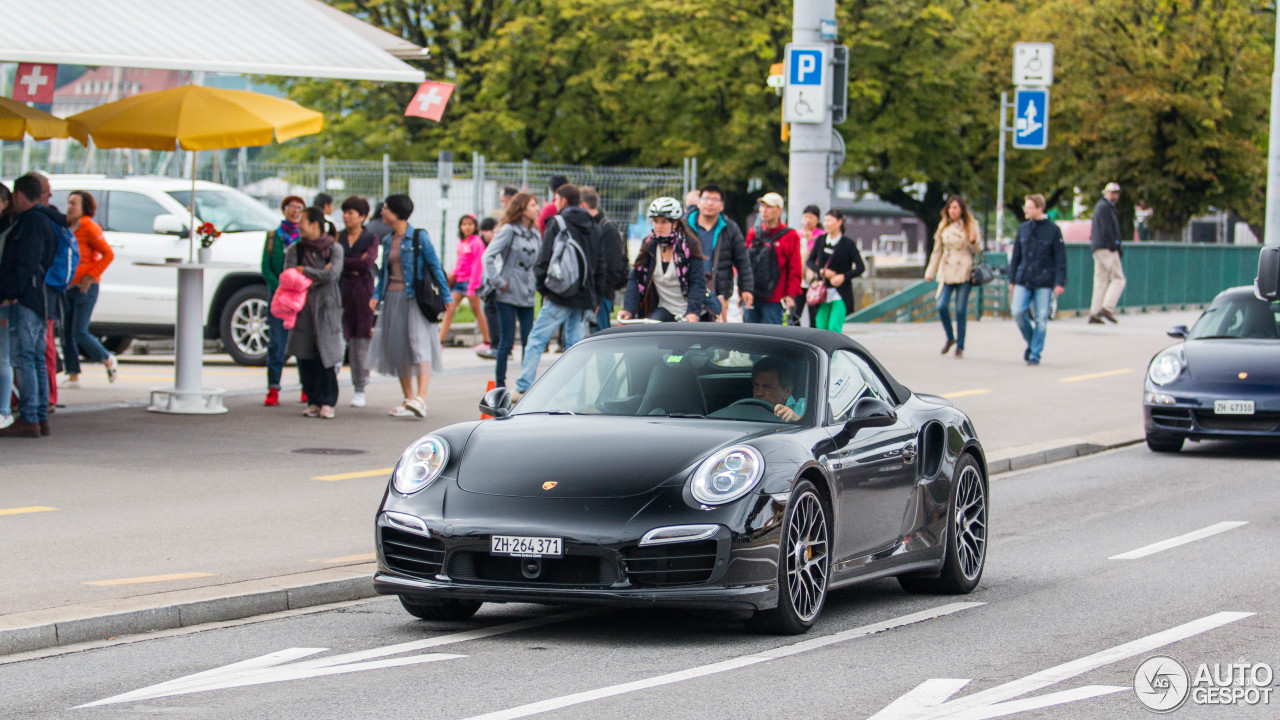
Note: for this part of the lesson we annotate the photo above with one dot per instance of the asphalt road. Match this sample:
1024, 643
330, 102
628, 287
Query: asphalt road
141, 503
1055, 597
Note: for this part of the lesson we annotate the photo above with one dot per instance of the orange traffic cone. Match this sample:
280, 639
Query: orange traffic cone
492, 384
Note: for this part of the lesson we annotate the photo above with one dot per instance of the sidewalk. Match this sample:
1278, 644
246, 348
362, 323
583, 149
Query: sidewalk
261, 527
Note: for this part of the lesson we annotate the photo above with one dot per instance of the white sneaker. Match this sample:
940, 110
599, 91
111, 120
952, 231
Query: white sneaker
70, 385
5, 421
357, 400
112, 367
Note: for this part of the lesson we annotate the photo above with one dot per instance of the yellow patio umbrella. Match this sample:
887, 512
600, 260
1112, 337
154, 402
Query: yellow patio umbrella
17, 120
194, 118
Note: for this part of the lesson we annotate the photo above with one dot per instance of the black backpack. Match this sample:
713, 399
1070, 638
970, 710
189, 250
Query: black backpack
764, 264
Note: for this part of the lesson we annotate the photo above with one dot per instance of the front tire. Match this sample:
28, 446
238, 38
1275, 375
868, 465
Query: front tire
966, 543
1164, 443
243, 326
804, 566
440, 609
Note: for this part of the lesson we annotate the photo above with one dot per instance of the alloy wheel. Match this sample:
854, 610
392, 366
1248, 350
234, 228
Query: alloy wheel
808, 557
249, 327
971, 523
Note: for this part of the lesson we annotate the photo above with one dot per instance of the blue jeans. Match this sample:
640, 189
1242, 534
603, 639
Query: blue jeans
507, 316
769, 313
27, 332
277, 337
1022, 299
75, 329
6, 369
961, 291
606, 309
552, 317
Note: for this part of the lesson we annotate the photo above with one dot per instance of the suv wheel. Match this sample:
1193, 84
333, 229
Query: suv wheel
243, 328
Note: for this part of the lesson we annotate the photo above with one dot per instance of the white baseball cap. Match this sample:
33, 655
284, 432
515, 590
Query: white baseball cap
1111, 187
772, 199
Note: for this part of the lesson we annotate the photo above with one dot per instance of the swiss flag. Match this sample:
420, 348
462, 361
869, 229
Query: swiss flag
430, 100
34, 83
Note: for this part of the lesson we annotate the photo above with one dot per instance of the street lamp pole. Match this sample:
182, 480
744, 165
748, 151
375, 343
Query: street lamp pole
1271, 232
810, 142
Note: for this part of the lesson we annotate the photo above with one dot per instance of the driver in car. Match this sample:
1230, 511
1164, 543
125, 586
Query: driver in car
771, 381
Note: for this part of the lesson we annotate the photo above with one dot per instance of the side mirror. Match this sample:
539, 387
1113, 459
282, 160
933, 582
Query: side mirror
169, 224
1267, 286
868, 412
1177, 331
496, 402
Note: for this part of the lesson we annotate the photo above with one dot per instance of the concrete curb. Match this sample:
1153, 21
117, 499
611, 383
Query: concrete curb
41, 629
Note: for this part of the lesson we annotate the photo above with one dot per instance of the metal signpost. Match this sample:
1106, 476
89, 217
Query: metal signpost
1032, 76
807, 103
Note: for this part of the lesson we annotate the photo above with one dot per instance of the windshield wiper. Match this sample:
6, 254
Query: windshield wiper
550, 412
686, 415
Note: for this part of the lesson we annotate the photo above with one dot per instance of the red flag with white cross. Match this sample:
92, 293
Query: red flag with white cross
34, 83
430, 100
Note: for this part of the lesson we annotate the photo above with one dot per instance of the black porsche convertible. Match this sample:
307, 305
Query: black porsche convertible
744, 468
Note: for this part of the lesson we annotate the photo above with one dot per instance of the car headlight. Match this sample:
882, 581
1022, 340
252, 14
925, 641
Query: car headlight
727, 475
1166, 367
421, 464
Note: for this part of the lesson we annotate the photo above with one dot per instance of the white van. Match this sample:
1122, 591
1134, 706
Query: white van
145, 218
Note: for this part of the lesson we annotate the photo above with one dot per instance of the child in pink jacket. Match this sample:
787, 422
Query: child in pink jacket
290, 297
466, 278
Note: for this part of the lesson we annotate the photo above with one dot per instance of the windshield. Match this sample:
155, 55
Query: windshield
652, 374
1238, 317
229, 210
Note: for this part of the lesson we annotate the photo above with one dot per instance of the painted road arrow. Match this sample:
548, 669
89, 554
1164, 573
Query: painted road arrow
280, 666
929, 700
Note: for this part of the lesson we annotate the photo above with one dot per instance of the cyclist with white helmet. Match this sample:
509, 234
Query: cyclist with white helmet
668, 281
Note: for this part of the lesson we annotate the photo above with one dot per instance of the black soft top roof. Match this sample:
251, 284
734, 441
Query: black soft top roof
824, 340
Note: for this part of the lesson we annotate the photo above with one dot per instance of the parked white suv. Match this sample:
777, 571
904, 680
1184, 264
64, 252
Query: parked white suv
145, 218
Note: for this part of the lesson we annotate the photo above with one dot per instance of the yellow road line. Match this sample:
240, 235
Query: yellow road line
151, 579
1095, 376
354, 475
367, 557
965, 393
24, 510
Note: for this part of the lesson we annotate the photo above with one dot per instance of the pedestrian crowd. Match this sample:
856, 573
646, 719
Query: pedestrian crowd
374, 293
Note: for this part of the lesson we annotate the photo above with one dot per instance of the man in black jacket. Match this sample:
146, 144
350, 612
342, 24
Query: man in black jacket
714, 229
569, 311
1037, 272
1108, 273
28, 253
613, 251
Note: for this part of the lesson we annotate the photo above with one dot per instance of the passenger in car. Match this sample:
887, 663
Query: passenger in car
772, 381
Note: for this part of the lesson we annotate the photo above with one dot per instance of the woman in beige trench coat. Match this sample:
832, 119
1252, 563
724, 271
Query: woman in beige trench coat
955, 244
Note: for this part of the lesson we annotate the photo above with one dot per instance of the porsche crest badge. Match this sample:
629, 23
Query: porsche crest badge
549, 484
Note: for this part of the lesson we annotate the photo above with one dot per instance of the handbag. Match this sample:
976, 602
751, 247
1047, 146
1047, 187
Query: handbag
428, 296
817, 292
981, 273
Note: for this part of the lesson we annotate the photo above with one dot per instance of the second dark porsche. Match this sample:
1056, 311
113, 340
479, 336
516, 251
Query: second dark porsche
734, 467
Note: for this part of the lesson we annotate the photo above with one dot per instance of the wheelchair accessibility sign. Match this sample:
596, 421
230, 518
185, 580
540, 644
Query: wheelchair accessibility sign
807, 76
1031, 120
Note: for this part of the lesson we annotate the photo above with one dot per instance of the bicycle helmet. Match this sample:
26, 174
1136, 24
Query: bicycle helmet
666, 207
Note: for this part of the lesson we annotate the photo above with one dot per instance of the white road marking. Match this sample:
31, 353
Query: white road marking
724, 665
1154, 548
928, 700
271, 668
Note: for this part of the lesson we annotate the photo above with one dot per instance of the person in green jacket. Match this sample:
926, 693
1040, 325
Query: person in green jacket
272, 265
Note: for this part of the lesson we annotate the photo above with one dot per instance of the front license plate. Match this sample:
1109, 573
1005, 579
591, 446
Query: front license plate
516, 546
1233, 407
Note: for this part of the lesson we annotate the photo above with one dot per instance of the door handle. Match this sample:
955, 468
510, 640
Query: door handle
909, 452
